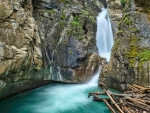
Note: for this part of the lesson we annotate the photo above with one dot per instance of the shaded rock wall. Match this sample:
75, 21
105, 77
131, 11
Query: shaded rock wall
68, 38
130, 56
46, 40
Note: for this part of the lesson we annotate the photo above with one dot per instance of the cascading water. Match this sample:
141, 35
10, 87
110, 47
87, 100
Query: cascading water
104, 35
65, 98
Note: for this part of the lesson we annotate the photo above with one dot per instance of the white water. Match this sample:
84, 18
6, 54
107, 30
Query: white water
104, 35
64, 97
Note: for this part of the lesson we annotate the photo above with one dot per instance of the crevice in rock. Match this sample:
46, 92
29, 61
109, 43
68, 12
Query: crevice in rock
84, 27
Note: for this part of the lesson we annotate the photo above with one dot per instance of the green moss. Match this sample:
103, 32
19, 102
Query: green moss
135, 30
85, 13
119, 32
63, 16
80, 38
92, 19
70, 52
64, 1
51, 11
123, 1
75, 24
69, 31
127, 21
145, 55
62, 24
116, 45
120, 24
127, 14
134, 50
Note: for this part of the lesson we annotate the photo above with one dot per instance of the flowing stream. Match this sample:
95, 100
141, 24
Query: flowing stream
56, 98
66, 98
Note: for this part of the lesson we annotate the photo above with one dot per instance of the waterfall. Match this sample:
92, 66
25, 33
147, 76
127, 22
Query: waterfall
104, 34
94, 80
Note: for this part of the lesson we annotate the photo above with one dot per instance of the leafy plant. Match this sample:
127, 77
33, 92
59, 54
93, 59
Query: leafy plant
92, 19
51, 11
119, 32
127, 21
85, 13
123, 1
80, 38
63, 16
144, 56
70, 52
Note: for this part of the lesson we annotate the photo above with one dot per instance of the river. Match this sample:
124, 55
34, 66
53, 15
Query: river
56, 98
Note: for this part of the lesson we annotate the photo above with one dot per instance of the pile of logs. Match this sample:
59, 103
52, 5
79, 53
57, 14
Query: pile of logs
135, 100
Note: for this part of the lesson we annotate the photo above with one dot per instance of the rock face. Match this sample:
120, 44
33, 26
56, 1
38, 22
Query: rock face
130, 55
46, 40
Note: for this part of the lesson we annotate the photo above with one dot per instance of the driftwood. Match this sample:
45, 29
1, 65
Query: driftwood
109, 106
135, 100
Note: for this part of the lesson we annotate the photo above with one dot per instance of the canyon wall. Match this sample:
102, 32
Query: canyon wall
130, 55
46, 40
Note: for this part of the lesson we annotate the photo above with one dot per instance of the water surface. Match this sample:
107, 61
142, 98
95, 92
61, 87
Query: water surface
55, 98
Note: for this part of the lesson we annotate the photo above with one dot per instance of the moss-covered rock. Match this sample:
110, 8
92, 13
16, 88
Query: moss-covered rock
129, 61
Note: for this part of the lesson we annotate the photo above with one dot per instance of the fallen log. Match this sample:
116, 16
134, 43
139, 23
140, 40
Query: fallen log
109, 106
126, 109
137, 100
95, 93
119, 109
129, 104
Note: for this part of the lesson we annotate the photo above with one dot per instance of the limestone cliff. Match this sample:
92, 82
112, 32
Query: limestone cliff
46, 40
130, 55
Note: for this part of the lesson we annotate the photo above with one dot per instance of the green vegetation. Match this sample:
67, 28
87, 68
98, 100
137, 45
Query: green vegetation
61, 24
85, 13
119, 32
145, 55
70, 52
127, 14
123, 1
80, 38
75, 24
127, 21
135, 30
116, 44
51, 11
64, 1
134, 50
92, 19
63, 16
